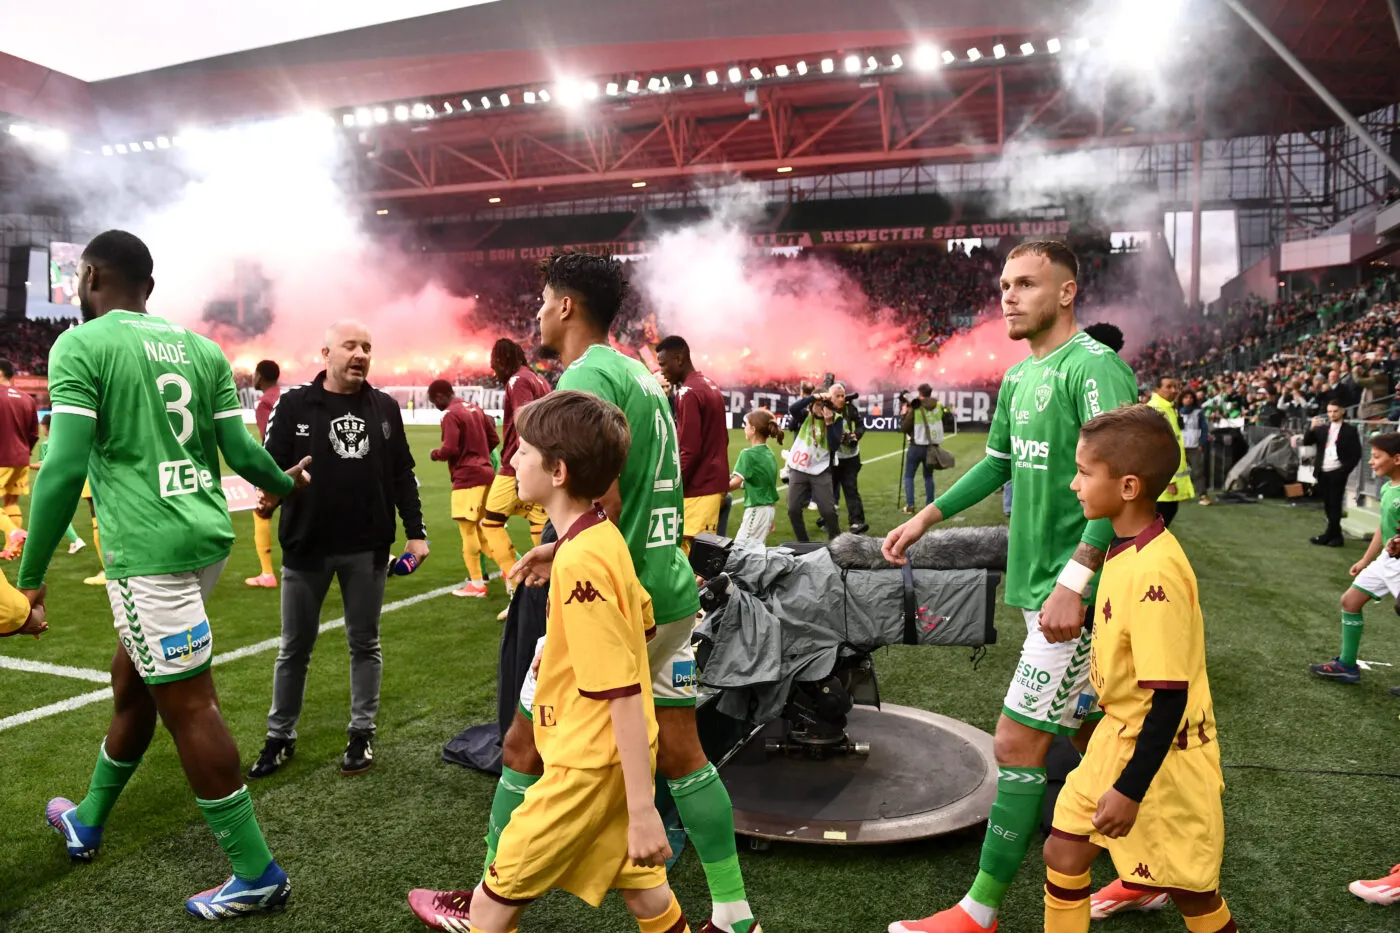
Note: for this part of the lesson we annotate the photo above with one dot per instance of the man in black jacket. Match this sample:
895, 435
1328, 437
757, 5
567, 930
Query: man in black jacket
354, 434
1338, 452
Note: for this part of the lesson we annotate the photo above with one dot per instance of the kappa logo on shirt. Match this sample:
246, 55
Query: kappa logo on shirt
1154, 594
584, 593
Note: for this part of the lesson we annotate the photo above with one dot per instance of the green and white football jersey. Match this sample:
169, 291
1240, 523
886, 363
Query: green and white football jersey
1040, 408
155, 390
653, 504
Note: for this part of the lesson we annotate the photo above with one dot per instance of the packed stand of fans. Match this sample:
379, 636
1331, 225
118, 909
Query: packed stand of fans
26, 342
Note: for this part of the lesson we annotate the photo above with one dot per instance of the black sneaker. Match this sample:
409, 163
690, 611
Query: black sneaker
358, 754
274, 753
859, 528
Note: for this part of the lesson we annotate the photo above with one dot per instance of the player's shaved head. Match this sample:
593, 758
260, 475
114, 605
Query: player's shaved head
1135, 441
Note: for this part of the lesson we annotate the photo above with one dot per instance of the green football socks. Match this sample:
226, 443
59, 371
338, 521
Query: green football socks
708, 816
109, 777
1010, 829
1352, 623
236, 828
510, 793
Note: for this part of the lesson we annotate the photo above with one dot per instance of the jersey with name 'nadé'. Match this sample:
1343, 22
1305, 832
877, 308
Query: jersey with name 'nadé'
155, 390
653, 503
1040, 408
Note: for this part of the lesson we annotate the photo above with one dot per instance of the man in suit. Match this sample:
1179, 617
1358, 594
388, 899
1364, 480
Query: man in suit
1338, 452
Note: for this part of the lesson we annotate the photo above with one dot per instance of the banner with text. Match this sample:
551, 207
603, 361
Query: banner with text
879, 411
805, 239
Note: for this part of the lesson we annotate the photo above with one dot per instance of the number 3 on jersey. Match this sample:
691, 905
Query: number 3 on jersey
180, 406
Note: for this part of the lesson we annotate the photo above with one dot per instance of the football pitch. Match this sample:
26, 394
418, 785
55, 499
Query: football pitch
1312, 798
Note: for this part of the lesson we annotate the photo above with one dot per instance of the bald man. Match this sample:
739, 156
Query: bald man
364, 472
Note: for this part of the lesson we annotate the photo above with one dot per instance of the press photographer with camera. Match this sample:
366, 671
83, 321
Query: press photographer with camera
846, 471
819, 431
921, 418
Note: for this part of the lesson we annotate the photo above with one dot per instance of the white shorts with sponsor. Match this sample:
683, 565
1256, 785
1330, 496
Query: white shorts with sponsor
757, 524
1380, 577
162, 624
674, 680
1050, 690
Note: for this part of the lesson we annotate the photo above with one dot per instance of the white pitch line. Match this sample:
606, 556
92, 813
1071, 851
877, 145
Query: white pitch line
97, 696
53, 709
58, 670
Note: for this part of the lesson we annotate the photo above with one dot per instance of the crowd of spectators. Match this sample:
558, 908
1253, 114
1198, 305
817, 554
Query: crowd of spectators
26, 342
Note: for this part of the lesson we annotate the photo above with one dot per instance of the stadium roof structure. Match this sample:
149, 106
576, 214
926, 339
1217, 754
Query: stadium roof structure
534, 100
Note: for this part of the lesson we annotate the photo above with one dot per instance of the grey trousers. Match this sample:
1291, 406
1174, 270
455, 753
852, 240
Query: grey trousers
303, 593
804, 488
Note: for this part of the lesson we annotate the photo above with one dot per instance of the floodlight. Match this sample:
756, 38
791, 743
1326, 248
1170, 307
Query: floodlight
852, 64
974, 54
756, 72
654, 84
121, 148
689, 81
1027, 48
401, 112
925, 58
633, 86
529, 97
162, 142
872, 63
949, 57
505, 100
711, 78
781, 71
347, 119
1052, 46
828, 66
999, 51
735, 75
896, 60
612, 89
381, 115
107, 150
544, 95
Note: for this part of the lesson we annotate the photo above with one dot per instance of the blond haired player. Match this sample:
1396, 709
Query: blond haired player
589, 824
1148, 789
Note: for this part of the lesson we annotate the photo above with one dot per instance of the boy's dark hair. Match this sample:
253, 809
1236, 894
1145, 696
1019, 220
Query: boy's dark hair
596, 282
121, 254
48, 420
1053, 250
588, 434
439, 387
1110, 335
1135, 440
925, 390
7, 369
674, 343
269, 370
1387, 443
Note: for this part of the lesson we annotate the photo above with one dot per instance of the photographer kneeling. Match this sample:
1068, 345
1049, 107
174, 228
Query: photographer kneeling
810, 461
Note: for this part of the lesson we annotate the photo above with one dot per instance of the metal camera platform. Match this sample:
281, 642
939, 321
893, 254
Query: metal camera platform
906, 774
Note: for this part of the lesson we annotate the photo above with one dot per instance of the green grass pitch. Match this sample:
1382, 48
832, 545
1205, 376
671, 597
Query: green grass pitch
355, 846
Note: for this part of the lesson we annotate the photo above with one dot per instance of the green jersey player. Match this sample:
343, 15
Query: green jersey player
144, 407
581, 296
1053, 553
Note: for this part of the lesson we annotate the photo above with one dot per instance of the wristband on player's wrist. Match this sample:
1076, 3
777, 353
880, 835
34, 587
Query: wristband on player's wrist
1075, 577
